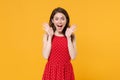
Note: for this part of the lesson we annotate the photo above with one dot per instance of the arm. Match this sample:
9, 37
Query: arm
46, 46
47, 38
72, 47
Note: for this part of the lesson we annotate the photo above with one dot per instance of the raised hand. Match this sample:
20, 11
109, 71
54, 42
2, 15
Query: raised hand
70, 30
48, 29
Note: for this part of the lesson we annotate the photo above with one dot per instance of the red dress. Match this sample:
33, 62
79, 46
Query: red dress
59, 66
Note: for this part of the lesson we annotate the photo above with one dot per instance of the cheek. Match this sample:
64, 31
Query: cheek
55, 22
64, 22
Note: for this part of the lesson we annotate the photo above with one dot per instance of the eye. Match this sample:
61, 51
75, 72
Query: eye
56, 18
62, 18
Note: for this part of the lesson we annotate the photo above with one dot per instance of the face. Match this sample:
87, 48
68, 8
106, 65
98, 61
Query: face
59, 21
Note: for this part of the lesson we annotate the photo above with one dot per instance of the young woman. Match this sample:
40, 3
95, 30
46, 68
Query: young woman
59, 46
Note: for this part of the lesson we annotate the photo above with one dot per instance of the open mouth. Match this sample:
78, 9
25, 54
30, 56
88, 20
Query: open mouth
59, 25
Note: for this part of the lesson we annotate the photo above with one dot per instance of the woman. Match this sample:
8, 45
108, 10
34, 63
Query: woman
59, 46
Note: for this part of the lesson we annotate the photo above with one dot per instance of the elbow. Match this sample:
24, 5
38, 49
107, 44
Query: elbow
45, 56
73, 56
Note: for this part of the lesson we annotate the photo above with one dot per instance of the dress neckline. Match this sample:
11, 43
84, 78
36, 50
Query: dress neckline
59, 36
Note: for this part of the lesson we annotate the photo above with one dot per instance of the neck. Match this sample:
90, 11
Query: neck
59, 33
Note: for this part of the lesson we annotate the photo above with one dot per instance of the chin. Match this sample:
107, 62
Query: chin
60, 31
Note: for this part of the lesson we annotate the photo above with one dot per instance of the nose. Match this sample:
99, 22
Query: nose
60, 21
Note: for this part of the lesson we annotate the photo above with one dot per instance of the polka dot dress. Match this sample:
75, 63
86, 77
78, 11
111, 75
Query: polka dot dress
58, 66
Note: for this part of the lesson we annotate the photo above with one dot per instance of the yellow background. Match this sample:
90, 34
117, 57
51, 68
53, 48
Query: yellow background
97, 35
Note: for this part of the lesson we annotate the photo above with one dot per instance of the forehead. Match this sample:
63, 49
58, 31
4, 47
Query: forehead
59, 15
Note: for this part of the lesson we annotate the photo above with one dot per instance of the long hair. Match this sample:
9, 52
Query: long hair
63, 11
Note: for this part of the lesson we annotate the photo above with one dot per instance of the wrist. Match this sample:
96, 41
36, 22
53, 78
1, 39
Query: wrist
49, 38
68, 38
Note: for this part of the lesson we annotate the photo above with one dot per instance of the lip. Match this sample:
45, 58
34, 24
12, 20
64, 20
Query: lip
59, 25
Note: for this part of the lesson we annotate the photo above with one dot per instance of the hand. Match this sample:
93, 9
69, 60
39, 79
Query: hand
69, 31
48, 29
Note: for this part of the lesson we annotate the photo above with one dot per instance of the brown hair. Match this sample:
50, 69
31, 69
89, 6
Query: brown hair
60, 10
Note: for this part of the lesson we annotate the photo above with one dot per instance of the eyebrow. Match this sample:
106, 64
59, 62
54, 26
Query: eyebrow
58, 17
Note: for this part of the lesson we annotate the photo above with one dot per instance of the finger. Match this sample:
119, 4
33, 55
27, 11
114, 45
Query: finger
73, 27
73, 30
67, 29
46, 25
51, 28
70, 31
46, 29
